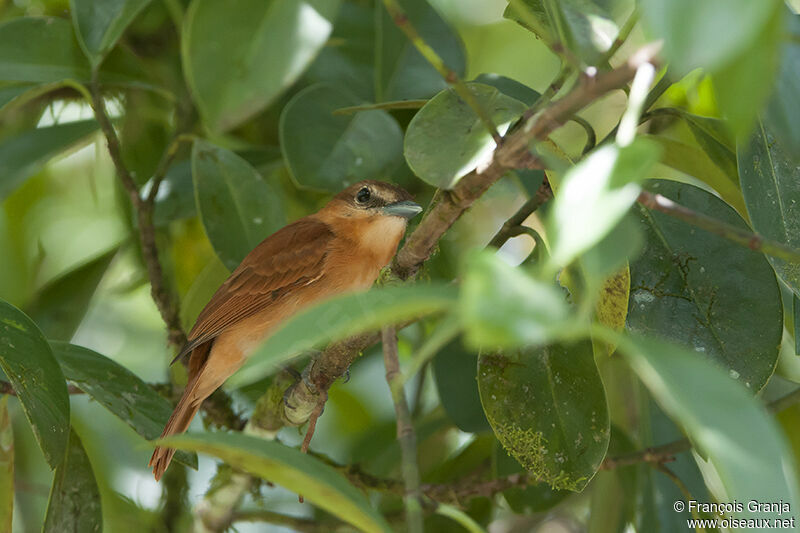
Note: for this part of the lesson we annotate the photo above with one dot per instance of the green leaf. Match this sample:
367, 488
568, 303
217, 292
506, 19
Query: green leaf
695, 162
74, 497
26, 153
401, 73
60, 306
238, 56
45, 50
743, 86
329, 152
100, 23
298, 472
445, 140
27, 361
503, 306
535, 19
202, 289
771, 187
782, 110
583, 27
709, 34
119, 390
594, 196
350, 62
454, 371
722, 418
238, 208
175, 199
534, 498
704, 292
511, 88
6, 467
547, 407
341, 317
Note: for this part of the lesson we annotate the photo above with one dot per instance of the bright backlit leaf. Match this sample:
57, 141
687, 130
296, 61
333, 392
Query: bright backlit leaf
319, 483
445, 140
238, 56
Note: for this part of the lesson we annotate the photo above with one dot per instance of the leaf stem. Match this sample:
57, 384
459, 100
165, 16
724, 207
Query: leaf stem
737, 235
511, 226
401, 20
405, 432
624, 33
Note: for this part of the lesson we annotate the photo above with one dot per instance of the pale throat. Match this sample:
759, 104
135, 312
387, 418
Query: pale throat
381, 235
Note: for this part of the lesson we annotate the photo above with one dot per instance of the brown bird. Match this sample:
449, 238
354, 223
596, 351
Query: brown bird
340, 248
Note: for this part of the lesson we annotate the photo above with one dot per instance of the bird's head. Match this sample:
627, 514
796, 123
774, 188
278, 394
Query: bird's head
369, 199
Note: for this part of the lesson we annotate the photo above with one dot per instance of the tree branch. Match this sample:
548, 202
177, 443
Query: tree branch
742, 237
405, 432
144, 216
511, 226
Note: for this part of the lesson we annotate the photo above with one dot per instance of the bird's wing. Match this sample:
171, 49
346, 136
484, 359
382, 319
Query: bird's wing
291, 257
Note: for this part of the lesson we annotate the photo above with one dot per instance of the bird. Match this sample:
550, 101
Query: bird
341, 248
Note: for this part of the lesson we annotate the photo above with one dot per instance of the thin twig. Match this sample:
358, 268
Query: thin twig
510, 227
144, 216
405, 432
737, 235
401, 20
623, 35
551, 91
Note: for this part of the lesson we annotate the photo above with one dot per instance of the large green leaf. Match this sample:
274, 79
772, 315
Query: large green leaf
45, 50
535, 19
74, 505
547, 406
238, 56
350, 62
329, 152
709, 34
722, 418
338, 318
445, 140
504, 306
301, 473
100, 23
119, 390
454, 371
744, 85
29, 365
536, 498
695, 162
585, 28
6, 467
60, 306
704, 292
594, 196
24, 154
401, 73
771, 187
782, 111
238, 207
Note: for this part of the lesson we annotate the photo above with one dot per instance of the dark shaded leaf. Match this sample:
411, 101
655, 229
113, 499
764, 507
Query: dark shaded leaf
238, 56
547, 407
329, 152
60, 306
238, 208
74, 505
509, 87
26, 153
296, 471
119, 390
704, 292
771, 188
454, 369
29, 365
782, 110
401, 73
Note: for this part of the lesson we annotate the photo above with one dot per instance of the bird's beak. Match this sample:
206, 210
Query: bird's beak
405, 209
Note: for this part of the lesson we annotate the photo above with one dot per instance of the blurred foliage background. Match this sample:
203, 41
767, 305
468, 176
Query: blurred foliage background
256, 90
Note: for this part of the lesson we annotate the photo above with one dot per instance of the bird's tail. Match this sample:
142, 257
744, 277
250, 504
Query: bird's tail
178, 423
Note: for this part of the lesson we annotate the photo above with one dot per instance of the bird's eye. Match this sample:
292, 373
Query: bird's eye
363, 195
